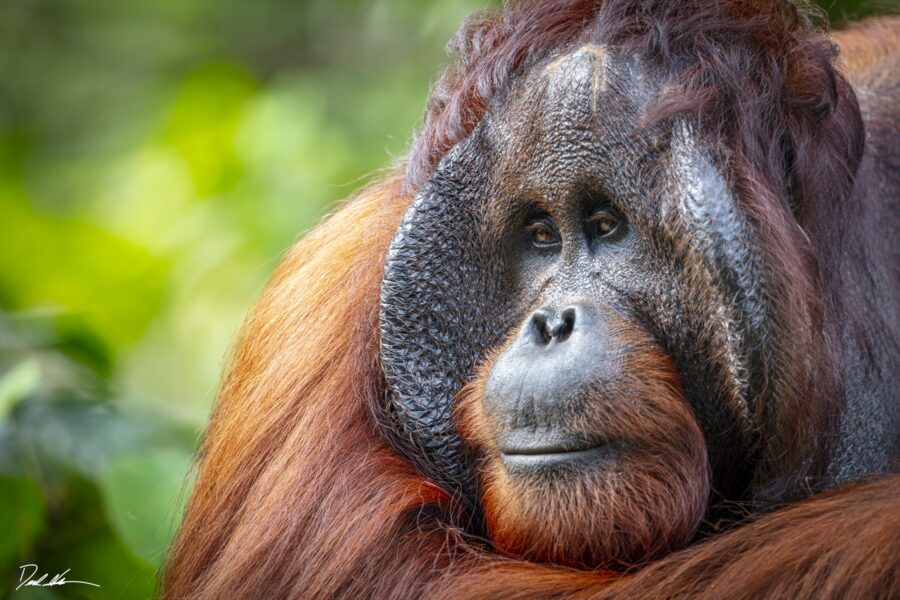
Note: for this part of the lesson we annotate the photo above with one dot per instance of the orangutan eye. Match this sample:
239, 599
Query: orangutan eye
603, 224
543, 235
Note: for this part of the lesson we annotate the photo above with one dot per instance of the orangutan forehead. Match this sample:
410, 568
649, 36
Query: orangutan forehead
592, 76
579, 110
589, 66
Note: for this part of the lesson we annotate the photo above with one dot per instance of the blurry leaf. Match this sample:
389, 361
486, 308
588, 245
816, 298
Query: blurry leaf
144, 194
10, 455
17, 384
116, 285
99, 557
54, 336
81, 437
79, 343
21, 519
144, 498
202, 124
34, 593
293, 154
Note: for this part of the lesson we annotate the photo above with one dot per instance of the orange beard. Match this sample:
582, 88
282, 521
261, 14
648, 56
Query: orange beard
641, 501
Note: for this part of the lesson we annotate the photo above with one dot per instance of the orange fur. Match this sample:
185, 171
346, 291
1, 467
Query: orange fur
645, 506
290, 440
869, 45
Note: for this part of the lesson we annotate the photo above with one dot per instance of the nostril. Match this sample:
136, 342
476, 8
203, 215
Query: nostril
547, 326
540, 327
564, 324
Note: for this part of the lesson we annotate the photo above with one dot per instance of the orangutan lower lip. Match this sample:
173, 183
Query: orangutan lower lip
524, 449
538, 450
535, 458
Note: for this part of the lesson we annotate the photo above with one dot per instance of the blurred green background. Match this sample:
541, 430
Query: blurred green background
156, 158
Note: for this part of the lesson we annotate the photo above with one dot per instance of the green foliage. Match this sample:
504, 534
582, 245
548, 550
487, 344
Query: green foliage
156, 157
137, 491
22, 513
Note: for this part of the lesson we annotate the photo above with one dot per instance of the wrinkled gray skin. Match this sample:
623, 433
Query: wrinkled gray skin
463, 274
